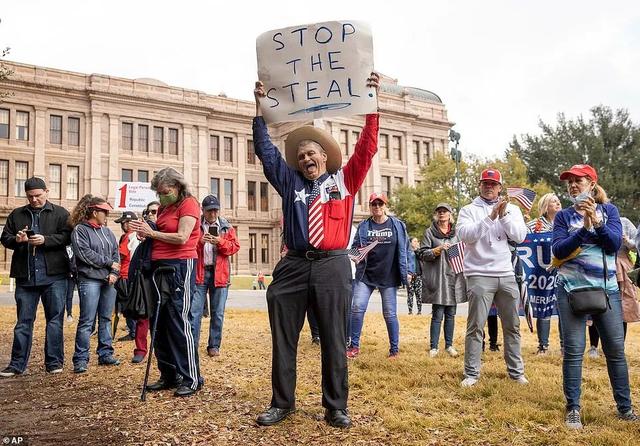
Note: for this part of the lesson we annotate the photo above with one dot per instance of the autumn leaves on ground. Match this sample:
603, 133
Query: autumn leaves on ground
412, 400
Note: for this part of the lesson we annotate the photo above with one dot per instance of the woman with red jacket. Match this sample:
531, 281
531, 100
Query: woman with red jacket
216, 244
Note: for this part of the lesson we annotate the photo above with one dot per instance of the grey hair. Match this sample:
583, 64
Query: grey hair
170, 177
306, 142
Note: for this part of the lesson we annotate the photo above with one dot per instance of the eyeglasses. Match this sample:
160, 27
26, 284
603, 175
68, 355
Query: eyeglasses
376, 204
152, 211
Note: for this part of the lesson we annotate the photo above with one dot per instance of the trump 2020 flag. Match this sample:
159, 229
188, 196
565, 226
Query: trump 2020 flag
455, 256
523, 195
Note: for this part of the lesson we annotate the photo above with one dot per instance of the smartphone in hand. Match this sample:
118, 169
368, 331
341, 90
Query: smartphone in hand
29, 232
213, 230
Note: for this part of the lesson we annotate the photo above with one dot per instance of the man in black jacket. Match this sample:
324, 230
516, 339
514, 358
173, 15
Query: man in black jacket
38, 234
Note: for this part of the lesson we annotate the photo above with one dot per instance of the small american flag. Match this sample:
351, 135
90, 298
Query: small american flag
455, 255
358, 254
523, 195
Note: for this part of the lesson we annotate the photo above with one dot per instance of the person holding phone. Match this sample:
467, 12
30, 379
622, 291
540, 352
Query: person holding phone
218, 242
586, 238
175, 239
38, 234
95, 249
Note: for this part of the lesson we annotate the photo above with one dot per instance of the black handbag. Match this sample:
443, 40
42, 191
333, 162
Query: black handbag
590, 299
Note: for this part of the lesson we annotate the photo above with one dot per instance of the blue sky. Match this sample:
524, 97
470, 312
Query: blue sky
499, 66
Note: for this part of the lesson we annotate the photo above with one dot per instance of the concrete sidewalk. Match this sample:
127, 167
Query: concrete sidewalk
256, 300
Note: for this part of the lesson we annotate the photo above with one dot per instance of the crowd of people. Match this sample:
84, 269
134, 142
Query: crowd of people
175, 260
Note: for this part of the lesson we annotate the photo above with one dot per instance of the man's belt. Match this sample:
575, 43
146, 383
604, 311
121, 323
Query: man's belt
210, 267
315, 254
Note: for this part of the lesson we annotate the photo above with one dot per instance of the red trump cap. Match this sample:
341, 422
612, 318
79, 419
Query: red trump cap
580, 170
491, 175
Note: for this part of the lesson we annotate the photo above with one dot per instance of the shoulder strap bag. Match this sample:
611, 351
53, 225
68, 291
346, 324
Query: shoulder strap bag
590, 300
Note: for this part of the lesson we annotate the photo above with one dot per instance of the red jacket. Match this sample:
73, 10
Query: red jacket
227, 247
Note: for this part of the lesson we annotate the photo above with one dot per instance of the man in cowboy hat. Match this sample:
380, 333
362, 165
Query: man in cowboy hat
317, 202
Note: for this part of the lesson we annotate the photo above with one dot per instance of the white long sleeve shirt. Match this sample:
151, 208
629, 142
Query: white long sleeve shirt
486, 251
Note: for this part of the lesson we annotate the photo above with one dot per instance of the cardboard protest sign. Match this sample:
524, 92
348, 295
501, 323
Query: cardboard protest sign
133, 195
316, 70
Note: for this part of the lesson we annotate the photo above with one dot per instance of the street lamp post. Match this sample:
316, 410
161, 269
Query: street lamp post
456, 155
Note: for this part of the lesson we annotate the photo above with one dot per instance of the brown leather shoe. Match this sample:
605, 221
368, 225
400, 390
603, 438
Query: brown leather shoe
213, 352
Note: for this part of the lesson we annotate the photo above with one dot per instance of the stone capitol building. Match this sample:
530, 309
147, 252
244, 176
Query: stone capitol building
83, 133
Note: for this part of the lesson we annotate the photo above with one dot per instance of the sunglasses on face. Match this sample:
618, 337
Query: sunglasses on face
377, 204
153, 211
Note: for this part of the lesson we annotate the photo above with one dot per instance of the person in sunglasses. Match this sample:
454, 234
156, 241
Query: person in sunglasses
385, 268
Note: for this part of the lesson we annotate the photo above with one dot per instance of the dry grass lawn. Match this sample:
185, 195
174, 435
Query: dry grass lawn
413, 400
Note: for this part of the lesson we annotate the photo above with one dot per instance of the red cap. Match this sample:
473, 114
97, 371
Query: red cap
580, 170
104, 206
491, 175
378, 196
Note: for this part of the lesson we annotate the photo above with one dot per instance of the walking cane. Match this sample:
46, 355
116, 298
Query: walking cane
162, 269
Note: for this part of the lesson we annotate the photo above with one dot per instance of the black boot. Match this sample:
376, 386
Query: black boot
273, 415
337, 418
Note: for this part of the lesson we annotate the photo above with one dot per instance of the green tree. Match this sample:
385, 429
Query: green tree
607, 139
415, 205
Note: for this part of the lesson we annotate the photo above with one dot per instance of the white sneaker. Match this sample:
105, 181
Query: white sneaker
469, 382
593, 352
433, 352
452, 351
572, 419
55, 371
522, 380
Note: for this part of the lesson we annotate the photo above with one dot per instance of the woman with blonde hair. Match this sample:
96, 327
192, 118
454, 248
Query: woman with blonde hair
548, 207
586, 238
97, 261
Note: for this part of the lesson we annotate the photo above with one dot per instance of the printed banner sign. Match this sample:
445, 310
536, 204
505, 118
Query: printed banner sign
133, 196
316, 70
535, 255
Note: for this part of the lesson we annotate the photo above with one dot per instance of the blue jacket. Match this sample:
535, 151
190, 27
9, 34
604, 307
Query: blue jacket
402, 248
94, 249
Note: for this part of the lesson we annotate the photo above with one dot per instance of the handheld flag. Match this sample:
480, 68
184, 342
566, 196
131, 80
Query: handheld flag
523, 195
358, 254
455, 256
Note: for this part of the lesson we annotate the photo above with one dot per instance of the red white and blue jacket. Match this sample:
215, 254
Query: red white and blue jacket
337, 190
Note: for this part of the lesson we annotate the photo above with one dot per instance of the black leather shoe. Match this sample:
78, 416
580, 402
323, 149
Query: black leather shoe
273, 415
337, 418
183, 390
163, 384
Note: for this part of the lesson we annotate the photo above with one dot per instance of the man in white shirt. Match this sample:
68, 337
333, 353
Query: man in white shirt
486, 226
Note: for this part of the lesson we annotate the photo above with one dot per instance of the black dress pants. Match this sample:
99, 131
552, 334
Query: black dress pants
325, 286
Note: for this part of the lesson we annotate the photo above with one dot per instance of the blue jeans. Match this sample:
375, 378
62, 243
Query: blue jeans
217, 303
609, 326
26, 307
361, 294
449, 313
96, 297
543, 328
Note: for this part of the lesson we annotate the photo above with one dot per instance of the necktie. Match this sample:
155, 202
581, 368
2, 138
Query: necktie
316, 231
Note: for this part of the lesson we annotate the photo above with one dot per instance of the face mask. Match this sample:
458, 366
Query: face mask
580, 197
169, 199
